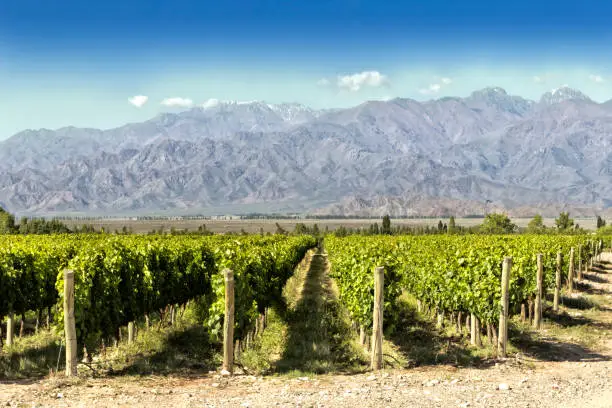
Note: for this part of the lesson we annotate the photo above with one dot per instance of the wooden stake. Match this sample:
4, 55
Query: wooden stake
558, 282
237, 350
473, 329
38, 319
570, 276
130, 332
362, 335
70, 324
478, 329
440, 323
10, 329
579, 274
523, 312
459, 320
228, 324
377, 331
530, 310
503, 315
537, 317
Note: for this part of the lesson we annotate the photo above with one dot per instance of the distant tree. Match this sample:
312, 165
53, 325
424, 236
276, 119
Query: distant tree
497, 224
300, 229
386, 225
600, 222
375, 229
440, 226
261, 231
315, 230
451, 225
341, 231
564, 222
7, 222
536, 225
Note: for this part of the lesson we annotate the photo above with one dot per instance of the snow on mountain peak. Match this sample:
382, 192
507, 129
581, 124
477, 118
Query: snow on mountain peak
562, 94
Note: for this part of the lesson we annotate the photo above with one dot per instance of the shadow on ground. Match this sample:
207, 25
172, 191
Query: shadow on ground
419, 341
549, 348
30, 362
182, 351
318, 334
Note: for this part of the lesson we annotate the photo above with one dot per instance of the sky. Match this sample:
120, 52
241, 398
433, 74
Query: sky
102, 64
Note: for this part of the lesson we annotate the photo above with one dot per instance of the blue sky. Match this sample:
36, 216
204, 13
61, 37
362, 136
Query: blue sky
69, 62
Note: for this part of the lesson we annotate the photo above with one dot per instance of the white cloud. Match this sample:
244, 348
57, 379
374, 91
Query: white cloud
432, 89
138, 100
538, 79
212, 102
177, 102
446, 81
355, 82
323, 82
596, 78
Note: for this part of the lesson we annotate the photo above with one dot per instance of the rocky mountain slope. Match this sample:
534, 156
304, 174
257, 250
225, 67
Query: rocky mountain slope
488, 146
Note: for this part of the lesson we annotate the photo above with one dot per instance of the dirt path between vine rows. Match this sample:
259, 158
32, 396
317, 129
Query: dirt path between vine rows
582, 378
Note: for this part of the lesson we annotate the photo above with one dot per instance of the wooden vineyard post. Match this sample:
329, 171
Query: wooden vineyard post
558, 282
537, 318
228, 323
10, 329
130, 332
362, 335
440, 321
377, 331
579, 274
503, 315
70, 324
475, 331
570, 276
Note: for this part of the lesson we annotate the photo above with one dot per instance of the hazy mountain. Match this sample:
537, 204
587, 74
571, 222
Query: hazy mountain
489, 145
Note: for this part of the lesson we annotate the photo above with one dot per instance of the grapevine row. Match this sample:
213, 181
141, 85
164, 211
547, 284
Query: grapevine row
449, 273
121, 278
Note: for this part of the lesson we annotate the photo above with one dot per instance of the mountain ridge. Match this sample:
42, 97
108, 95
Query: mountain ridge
490, 145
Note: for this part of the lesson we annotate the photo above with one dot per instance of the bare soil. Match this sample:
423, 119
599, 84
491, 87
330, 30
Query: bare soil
269, 225
566, 375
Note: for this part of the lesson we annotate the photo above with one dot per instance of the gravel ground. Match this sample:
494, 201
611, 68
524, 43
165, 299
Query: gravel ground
505, 385
509, 383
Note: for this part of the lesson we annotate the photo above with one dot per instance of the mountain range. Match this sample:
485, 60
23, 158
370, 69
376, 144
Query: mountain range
249, 156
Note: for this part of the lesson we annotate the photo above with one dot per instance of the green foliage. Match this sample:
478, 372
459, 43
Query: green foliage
7, 222
536, 225
451, 225
386, 225
452, 273
600, 222
120, 278
497, 224
605, 230
564, 222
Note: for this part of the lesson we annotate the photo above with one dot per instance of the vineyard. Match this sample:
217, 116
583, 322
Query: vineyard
119, 279
454, 276
122, 279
